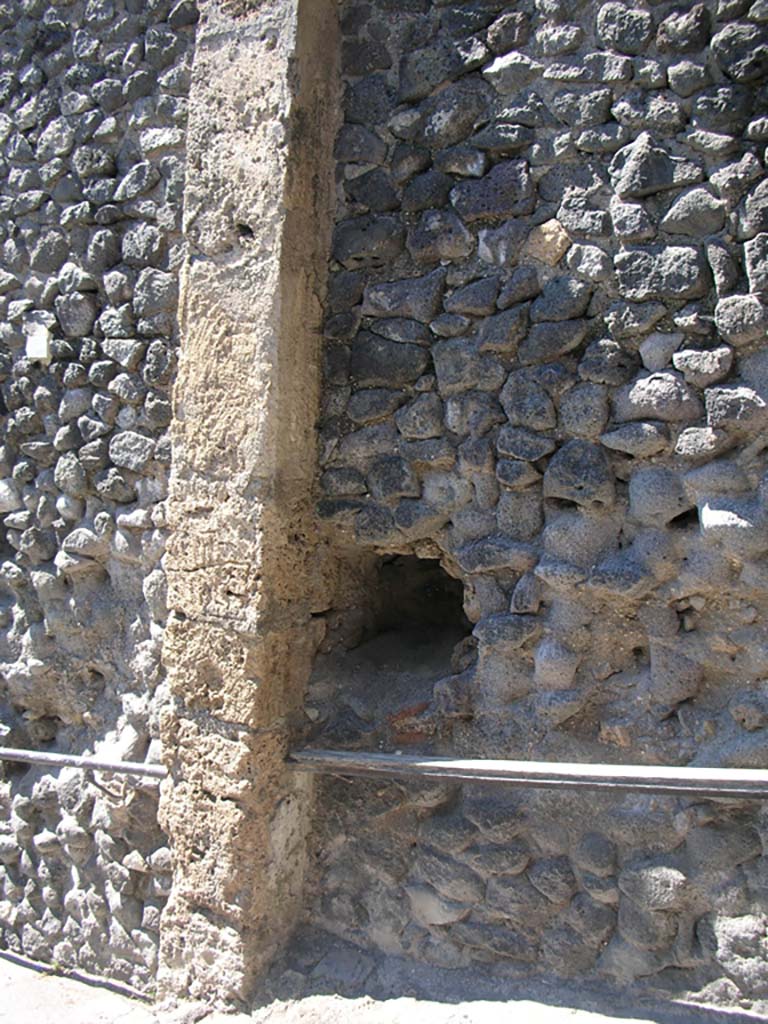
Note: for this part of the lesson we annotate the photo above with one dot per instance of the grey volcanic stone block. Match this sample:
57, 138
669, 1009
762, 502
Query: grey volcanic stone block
506, 632
580, 472
741, 319
478, 298
625, 29
369, 100
736, 408
358, 144
450, 116
373, 404
658, 112
510, 72
526, 401
756, 259
422, 70
508, 32
425, 191
76, 314
368, 241
704, 367
547, 341
695, 213
656, 496
753, 218
606, 362
504, 331
685, 32
378, 362
519, 443
584, 410
581, 109
460, 366
439, 235
644, 168
130, 450
506, 191
661, 396
631, 221
523, 284
142, 177
562, 298
674, 272
155, 292
418, 298
741, 50
422, 418
374, 190
722, 108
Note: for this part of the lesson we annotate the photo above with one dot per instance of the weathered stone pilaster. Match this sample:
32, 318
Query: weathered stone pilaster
258, 209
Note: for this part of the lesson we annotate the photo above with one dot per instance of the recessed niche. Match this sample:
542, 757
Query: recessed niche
413, 622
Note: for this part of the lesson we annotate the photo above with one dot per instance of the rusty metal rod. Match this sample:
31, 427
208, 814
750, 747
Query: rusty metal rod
738, 783
153, 771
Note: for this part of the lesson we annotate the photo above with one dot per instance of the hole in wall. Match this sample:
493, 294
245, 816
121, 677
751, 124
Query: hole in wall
412, 623
688, 518
417, 594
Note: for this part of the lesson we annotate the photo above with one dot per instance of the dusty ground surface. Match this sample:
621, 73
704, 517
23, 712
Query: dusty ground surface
30, 996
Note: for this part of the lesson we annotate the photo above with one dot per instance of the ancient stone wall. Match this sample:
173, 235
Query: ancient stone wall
92, 123
538, 524
546, 369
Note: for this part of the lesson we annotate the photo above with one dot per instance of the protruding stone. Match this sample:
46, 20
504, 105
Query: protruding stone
695, 213
686, 31
702, 367
439, 236
643, 168
741, 319
511, 71
661, 396
519, 443
626, 29
641, 439
741, 50
656, 496
736, 408
674, 272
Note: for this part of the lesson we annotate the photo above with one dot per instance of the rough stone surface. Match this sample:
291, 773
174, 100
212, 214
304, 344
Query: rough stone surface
575, 456
90, 251
537, 526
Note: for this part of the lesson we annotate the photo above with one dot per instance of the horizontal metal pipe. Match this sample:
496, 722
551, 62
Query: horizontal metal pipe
152, 771
736, 783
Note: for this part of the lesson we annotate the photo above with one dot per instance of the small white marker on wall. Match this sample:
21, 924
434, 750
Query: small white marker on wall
39, 343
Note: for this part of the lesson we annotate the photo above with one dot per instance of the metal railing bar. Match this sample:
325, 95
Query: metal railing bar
153, 771
735, 783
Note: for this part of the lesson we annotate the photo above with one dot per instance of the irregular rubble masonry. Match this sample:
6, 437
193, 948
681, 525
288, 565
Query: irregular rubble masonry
92, 122
546, 366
